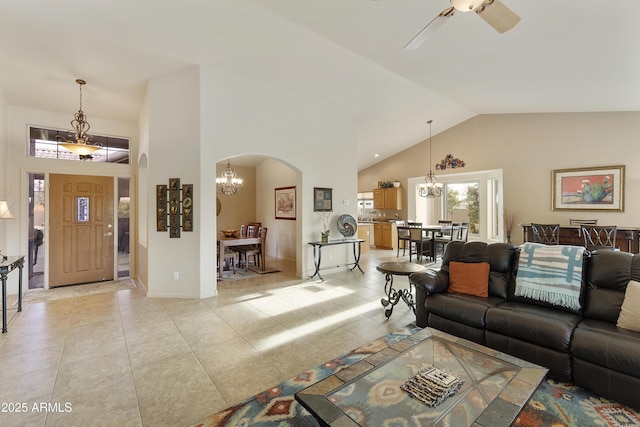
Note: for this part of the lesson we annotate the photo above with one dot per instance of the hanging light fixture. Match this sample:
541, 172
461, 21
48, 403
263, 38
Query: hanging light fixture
432, 188
466, 5
229, 183
79, 141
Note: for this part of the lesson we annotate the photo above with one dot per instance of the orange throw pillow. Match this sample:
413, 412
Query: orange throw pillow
469, 278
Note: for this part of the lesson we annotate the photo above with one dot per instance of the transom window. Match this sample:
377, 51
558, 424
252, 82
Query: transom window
43, 143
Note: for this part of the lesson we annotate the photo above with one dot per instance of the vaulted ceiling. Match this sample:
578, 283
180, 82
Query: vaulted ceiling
565, 55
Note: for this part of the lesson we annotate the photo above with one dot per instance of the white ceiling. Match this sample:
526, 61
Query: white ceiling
565, 55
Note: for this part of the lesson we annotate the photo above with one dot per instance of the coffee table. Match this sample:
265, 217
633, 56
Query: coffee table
389, 269
496, 386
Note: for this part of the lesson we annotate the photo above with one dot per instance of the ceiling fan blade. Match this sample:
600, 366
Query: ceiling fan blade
499, 16
429, 28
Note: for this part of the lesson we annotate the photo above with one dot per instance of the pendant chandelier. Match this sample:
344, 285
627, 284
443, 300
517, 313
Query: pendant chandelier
431, 188
229, 183
79, 141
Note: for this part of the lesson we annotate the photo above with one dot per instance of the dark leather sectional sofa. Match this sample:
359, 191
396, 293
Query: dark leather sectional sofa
582, 346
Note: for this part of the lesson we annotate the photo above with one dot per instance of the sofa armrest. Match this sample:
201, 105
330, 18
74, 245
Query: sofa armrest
431, 281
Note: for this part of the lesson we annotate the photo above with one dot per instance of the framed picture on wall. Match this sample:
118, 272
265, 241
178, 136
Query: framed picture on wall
589, 189
286, 203
322, 199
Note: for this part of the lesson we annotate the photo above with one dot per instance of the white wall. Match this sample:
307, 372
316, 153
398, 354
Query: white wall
243, 116
173, 108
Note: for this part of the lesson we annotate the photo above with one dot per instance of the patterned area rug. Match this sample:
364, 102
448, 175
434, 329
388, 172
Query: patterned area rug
553, 404
561, 404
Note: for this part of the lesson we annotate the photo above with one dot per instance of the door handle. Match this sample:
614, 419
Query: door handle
109, 234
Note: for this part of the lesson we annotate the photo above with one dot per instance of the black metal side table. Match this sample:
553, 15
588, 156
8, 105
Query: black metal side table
389, 269
317, 254
7, 265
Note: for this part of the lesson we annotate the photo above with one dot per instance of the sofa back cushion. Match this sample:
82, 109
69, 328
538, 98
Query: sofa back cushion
607, 277
500, 256
630, 311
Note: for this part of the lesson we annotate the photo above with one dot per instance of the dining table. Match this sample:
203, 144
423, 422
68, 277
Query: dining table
228, 242
429, 232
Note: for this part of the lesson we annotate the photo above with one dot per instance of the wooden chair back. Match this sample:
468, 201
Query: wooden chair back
599, 237
463, 232
547, 234
252, 231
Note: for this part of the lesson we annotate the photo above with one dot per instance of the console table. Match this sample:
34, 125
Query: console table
7, 265
627, 238
317, 254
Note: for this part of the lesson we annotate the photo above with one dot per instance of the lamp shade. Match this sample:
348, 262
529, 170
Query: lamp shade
4, 210
81, 149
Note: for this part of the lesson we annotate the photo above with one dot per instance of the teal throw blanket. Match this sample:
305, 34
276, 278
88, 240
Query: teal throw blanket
551, 274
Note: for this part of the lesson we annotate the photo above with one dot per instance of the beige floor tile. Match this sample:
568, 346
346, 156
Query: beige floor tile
27, 391
142, 353
176, 391
96, 397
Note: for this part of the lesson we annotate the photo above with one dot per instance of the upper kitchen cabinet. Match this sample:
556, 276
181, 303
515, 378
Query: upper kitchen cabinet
387, 198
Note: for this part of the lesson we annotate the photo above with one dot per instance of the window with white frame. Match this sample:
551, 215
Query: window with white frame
44, 143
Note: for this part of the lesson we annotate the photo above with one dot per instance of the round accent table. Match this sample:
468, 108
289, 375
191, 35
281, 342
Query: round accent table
389, 269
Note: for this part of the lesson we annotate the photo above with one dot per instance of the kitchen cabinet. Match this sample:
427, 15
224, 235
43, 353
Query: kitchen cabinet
378, 198
385, 235
387, 198
365, 231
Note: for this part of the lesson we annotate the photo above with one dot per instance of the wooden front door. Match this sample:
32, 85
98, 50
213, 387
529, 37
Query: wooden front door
81, 229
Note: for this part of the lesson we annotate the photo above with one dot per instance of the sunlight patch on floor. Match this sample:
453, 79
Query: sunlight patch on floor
327, 322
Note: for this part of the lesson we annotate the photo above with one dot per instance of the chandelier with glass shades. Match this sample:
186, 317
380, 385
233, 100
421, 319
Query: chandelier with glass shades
431, 188
79, 141
228, 181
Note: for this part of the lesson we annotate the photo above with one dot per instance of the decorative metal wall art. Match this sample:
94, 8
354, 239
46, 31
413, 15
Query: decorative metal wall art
450, 162
175, 205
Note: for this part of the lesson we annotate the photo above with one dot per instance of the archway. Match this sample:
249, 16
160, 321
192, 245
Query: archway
255, 202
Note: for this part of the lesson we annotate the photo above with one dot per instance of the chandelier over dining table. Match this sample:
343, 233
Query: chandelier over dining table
431, 188
228, 181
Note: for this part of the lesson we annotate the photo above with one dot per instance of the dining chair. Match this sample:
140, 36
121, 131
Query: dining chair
418, 243
463, 232
547, 234
403, 237
252, 231
229, 262
446, 223
412, 224
254, 251
599, 237
443, 237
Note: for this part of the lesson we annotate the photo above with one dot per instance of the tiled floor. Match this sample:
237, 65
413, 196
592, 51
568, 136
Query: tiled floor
121, 359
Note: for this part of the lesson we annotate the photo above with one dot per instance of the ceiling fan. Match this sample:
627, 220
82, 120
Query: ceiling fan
496, 14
